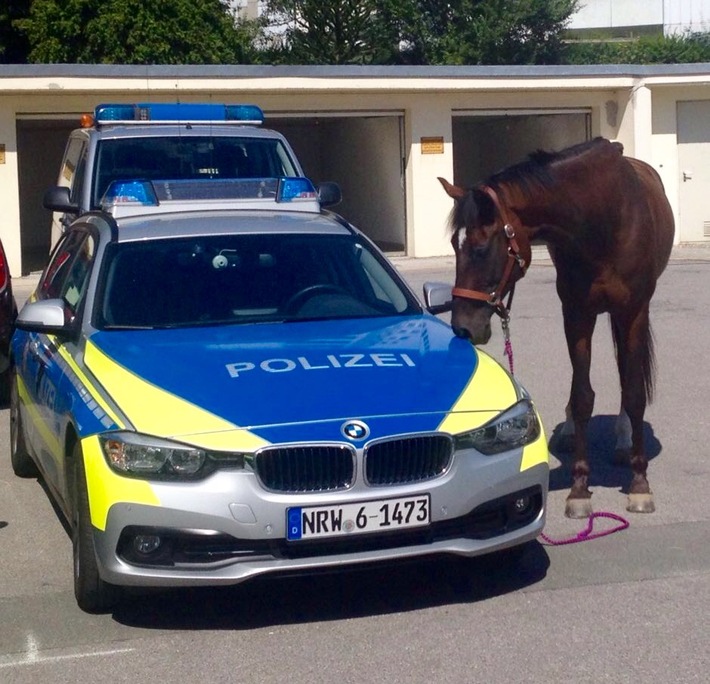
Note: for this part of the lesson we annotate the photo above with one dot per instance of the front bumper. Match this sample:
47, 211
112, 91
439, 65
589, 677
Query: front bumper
227, 528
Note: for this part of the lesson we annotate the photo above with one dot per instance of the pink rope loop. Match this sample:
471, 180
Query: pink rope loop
586, 534
509, 354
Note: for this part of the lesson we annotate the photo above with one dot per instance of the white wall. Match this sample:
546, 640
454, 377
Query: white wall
613, 13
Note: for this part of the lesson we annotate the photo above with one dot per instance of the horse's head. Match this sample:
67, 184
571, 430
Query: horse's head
491, 254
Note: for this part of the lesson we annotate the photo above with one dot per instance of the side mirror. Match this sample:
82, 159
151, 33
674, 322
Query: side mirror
437, 297
57, 199
45, 316
329, 194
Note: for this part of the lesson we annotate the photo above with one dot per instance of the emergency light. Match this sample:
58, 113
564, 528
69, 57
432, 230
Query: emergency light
131, 196
178, 112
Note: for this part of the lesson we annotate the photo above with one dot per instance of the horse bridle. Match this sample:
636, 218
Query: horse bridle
495, 298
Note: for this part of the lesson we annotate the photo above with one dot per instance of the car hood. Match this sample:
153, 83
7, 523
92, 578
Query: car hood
296, 381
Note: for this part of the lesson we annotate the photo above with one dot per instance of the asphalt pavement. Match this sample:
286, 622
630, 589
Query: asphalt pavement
629, 607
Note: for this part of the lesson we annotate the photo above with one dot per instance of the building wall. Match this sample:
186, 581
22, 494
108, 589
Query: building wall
636, 107
633, 17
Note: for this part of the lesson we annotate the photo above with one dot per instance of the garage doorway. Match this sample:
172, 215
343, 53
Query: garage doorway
364, 154
487, 141
40, 146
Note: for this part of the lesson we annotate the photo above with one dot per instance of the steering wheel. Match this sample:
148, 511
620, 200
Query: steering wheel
295, 302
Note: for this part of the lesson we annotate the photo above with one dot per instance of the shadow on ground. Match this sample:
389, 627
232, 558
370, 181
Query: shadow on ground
605, 471
341, 595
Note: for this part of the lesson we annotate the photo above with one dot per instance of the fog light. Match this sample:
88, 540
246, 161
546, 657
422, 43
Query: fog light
145, 544
522, 505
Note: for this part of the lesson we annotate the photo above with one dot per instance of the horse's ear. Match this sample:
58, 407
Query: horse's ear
452, 191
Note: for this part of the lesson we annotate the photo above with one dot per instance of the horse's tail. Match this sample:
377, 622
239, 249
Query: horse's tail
648, 359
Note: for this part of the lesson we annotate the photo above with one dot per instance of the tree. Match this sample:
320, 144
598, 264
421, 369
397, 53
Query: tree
421, 31
137, 32
678, 49
14, 46
317, 32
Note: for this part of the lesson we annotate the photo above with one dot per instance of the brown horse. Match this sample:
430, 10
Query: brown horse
609, 228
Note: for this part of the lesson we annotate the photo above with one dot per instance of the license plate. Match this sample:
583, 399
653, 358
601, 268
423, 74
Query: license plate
357, 518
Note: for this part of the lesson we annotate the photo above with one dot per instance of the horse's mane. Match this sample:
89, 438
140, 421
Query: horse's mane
534, 173
528, 177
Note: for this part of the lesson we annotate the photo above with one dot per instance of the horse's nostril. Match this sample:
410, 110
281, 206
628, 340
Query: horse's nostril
461, 332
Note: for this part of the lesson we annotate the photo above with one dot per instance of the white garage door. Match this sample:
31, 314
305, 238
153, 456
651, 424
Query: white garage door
694, 163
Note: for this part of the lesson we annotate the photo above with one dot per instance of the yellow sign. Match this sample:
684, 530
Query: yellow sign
432, 145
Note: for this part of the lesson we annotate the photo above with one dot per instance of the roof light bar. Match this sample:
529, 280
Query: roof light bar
179, 112
132, 197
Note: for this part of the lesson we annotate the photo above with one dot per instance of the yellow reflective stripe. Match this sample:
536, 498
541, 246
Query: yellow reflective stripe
154, 411
93, 391
48, 435
488, 392
106, 488
535, 453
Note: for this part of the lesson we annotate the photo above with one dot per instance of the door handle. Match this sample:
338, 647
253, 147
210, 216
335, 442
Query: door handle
687, 175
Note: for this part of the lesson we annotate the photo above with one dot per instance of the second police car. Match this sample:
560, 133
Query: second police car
217, 388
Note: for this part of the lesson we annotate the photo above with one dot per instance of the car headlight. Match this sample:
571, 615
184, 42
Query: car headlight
515, 427
131, 453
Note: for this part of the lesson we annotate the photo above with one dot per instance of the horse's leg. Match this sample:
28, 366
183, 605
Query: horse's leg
622, 429
579, 328
634, 338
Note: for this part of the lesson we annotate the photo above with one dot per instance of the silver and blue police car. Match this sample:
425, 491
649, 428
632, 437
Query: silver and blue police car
221, 380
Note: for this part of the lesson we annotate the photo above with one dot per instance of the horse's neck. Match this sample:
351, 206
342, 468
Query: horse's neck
553, 222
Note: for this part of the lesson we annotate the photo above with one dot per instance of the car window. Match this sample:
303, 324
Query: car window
67, 273
246, 278
189, 158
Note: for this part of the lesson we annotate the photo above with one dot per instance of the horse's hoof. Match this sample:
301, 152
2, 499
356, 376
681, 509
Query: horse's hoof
640, 503
578, 508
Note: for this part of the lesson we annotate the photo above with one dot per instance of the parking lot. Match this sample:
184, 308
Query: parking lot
629, 607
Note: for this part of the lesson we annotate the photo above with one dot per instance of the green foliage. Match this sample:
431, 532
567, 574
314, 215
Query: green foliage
13, 44
136, 32
316, 32
421, 31
682, 49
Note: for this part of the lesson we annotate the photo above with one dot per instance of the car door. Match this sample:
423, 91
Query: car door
47, 357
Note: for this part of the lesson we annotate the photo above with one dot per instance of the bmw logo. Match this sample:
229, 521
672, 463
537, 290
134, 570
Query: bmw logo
355, 430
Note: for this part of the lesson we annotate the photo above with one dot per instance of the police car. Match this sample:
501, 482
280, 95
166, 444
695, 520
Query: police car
219, 380
153, 140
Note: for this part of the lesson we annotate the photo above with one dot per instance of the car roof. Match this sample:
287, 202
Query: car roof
228, 222
174, 130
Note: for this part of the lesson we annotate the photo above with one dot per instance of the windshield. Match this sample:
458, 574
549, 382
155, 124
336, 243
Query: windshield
189, 157
228, 279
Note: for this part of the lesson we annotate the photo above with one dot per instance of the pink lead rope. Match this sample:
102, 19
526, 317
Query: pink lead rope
586, 534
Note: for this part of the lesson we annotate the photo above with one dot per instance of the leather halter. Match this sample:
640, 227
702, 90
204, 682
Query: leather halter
495, 298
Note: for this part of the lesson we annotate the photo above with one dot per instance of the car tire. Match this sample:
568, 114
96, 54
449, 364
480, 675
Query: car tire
93, 595
22, 463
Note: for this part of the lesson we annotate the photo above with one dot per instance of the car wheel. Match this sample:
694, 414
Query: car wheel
22, 463
92, 594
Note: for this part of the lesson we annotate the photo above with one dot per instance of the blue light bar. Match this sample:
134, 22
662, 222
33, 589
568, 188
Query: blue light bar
179, 112
295, 189
130, 192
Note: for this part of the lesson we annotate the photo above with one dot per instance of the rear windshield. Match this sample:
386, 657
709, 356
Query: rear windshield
228, 279
189, 157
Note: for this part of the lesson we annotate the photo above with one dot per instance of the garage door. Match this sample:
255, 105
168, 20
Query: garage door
693, 155
486, 141
363, 152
